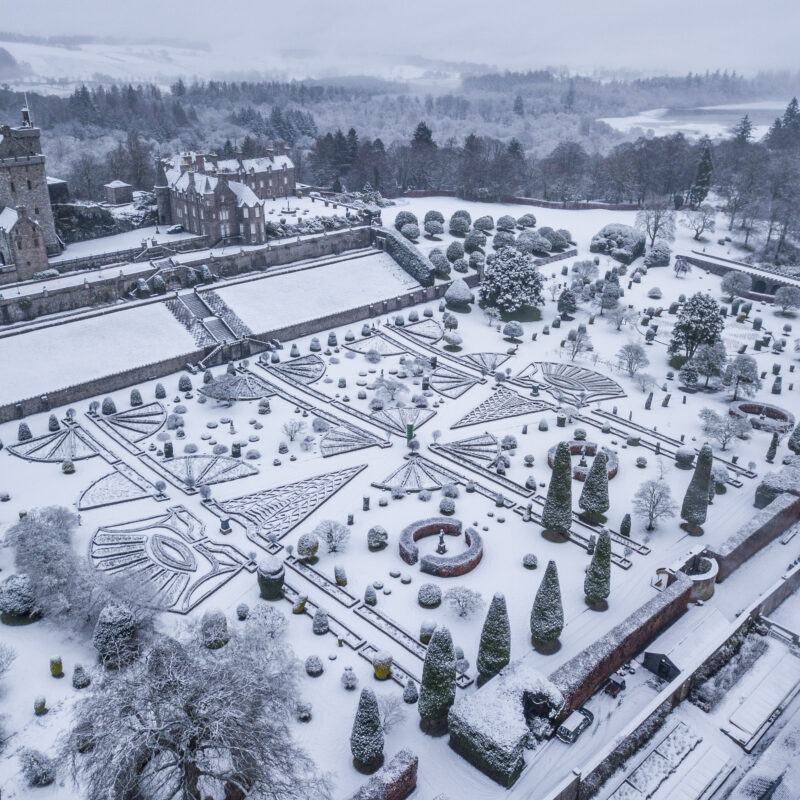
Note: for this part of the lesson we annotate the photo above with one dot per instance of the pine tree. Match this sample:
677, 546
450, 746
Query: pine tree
366, 739
594, 496
695, 503
494, 650
773, 448
702, 179
567, 304
597, 583
743, 130
438, 688
625, 526
547, 614
557, 513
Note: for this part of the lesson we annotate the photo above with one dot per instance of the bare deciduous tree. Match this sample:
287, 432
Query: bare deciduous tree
632, 358
292, 428
187, 722
653, 500
391, 709
465, 602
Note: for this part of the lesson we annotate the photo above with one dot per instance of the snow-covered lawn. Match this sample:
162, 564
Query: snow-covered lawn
120, 241
38, 362
275, 302
44, 360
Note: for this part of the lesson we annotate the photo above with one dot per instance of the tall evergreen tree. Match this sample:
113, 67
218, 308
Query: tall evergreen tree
695, 503
699, 322
597, 583
773, 448
547, 614
702, 178
366, 739
494, 650
594, 496
557, 513
743, 130
438, 689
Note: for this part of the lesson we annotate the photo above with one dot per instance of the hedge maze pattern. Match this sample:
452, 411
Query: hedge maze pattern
486, 362
72, 443
170, 555
279, 510
503, 403
304, 370
398, 419
414, 475
204, 470
137, 423
119, 486
344, 438
427, 330
575, 384
450, 382
245, 385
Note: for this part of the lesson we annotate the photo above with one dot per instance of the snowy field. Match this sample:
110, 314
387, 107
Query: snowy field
328, 384
274, 302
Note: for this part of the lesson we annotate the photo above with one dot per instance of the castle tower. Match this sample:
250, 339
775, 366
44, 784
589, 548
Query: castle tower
161, 189
23, 182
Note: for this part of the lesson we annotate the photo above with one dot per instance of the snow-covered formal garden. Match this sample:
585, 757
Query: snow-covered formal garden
367, 524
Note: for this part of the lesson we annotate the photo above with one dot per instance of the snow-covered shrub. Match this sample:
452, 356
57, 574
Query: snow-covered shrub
429, 595
450, 490
115, 635
458, 294
242, 612
506, 223
511, 281
460, 265
410, 231
349, 679
447, 506
37, 768
464, 601
503, 239
214, 629
529, 561
424, 495
526, 221
16, 596
314, 666
655, 293
307, 546
370, 597
476, 260
658, 255
405, 218
622, 242
455, 250
410, 692
459, 224
426, 630
377, 538
80, 677
474, 241
433, 216
108, 406
319, 624
184, 384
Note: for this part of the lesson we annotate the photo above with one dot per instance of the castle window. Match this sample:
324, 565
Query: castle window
30, 185
36, 211
13, 188
19, 245
35, 242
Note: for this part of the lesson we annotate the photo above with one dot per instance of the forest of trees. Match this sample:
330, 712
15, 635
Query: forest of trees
534, 134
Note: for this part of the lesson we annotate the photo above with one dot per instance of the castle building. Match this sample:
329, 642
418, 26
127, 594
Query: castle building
27, 229
222, 199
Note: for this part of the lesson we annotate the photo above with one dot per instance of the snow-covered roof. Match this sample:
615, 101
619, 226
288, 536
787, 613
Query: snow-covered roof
260, 164
116, 185
8, 218
689, 635
51, 181
206, 184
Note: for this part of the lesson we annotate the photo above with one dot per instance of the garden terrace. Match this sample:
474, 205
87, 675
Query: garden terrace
441, 565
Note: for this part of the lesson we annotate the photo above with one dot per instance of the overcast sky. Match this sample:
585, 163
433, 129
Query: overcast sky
675, 36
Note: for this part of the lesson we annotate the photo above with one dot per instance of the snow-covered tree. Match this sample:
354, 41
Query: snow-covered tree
793, 442
724, 428
463, 600
787, 298
578, 341
557, 512
736, 284
334, 534
115, 635
494, 649
293, 427
632, 357
710, 361
688, 375
438, 688
608, 297
700, 219
458, 294
597, 583
699, 322
695, 503
222, 718
405, 218
594, 495
567, 303
656, 221
702, 179
653, 500
433, 229
742, 376
621, 315
366, 738
547, 614
511, 281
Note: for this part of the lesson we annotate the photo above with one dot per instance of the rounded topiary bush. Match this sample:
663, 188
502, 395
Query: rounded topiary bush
320, 623
447, 506
377, 538
108, 406
382, 665
405, 218
529, 561
314, 666
307, 546
429, 595
16, 596
455, 250
410, 231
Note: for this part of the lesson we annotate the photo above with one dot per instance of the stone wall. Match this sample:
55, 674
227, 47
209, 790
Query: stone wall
772, 281
582, 675
394, 781
763, 528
